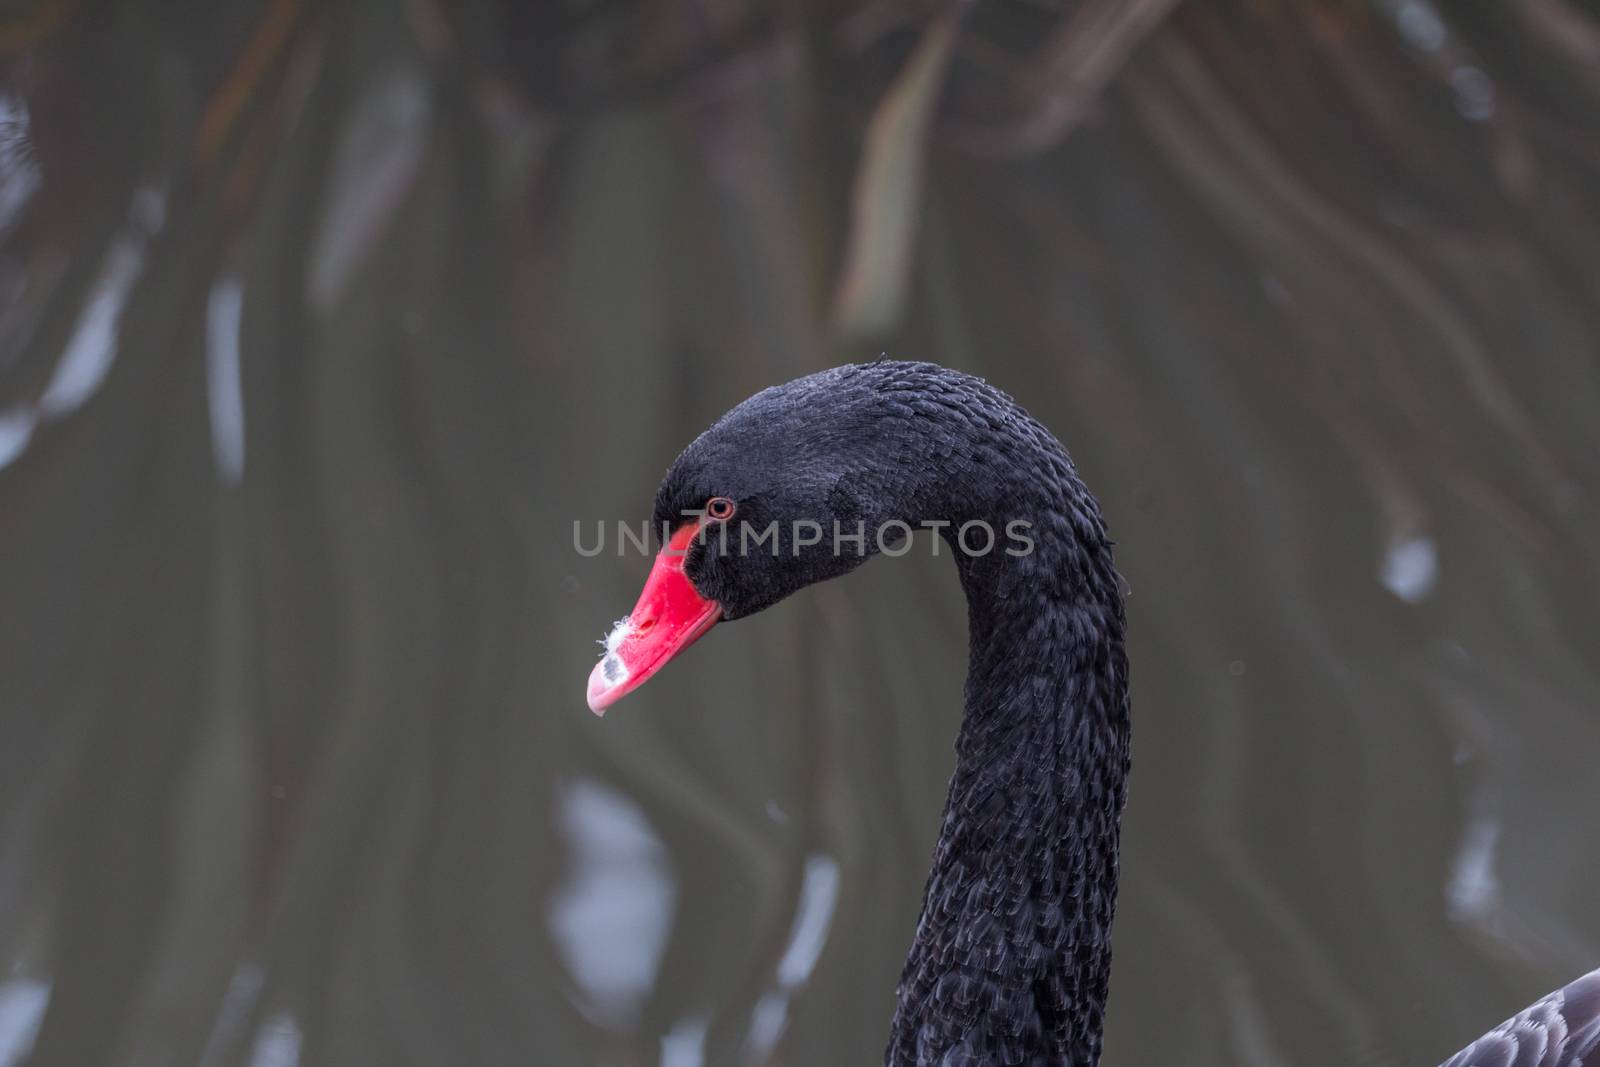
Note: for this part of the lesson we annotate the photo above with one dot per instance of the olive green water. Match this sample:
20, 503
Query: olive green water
321, 325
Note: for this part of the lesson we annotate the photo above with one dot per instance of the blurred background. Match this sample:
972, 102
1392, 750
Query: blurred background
322, 324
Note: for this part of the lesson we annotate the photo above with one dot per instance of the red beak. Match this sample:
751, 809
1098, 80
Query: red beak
670, 616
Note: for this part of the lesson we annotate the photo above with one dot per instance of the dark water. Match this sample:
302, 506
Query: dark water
321, 325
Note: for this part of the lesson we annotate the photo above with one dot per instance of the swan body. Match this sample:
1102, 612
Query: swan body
1011, 959
1560, 1030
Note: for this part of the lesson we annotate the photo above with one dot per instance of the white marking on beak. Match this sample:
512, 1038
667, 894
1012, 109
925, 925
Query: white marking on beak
619, 633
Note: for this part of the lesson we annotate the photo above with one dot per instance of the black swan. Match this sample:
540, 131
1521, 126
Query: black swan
804, 481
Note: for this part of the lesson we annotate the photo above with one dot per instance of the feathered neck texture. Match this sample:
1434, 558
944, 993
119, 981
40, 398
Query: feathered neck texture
1012, 954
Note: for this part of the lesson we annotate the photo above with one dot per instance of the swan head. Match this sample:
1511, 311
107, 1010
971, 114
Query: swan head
767, 501
803, 482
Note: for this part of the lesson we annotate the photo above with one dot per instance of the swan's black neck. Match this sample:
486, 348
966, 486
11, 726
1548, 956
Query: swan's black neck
1012, 954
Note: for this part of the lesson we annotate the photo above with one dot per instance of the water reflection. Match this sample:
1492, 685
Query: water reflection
234, 1012
612, 914
224, 387
685, 1044
278, 1043
1410, 568
16, 429
819, 892
373, 166
86, 358
22, 1005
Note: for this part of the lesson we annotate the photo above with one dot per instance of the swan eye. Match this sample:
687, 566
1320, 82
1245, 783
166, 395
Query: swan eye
720, 508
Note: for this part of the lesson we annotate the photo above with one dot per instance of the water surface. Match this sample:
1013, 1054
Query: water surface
320, 327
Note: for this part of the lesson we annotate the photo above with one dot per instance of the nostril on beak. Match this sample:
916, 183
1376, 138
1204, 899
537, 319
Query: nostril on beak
644, 625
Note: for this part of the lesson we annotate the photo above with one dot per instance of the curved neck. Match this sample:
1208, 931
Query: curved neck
1012, 953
